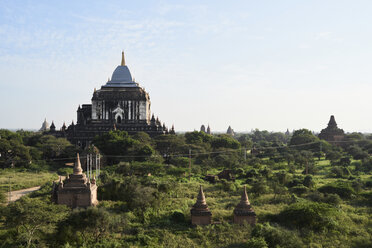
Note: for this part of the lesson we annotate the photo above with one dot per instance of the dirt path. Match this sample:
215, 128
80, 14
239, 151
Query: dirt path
15, 195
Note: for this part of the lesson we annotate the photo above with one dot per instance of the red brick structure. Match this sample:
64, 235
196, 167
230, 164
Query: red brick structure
77, 190
200, 214
243, 212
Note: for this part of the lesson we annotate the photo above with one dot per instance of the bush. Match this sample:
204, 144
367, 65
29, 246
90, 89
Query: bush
276, 236
85, 225
178, 217
259, 188
227, 185
343, 189
64, 171
331, 199
256, 243
309, 215
308, 181
2, 197
340, 172
299, 190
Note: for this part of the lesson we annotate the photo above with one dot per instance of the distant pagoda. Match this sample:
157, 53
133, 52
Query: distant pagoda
44, 126
230, 131
243, 212
200, 213
332, 133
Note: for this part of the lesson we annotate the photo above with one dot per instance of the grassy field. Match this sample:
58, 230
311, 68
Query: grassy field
24, 179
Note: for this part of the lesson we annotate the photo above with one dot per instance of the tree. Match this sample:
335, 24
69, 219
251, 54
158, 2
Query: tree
53, 147
301, 137
198, 137
308, 215
86, 225
333, 155
116, 143
33, 218
14, 153
225, 141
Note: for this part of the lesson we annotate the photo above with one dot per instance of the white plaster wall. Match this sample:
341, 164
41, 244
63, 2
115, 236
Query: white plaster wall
142, 110
94, 107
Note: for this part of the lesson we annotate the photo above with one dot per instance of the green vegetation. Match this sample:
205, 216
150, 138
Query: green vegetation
29, 159
18, 179
307, 194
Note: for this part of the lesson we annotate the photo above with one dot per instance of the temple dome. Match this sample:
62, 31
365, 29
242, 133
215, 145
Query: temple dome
121, 75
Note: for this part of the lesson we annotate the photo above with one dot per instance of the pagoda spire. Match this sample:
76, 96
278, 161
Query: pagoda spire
332, 122
244, 201
200, 201
122, 59
77, 168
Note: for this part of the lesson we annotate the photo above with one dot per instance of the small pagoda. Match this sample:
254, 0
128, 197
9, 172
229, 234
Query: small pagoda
77, 190
200, 213
243, 212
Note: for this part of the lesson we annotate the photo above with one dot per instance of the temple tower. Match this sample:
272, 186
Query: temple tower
77, 190
332, 133
230, 131
200, 214
243, 212
209, 130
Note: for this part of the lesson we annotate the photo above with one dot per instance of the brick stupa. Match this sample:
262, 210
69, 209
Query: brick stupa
243, 212
200, 214
77, 190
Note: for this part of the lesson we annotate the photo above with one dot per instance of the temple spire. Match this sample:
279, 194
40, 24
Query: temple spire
244, 201
122, 59
77, 168
201, 197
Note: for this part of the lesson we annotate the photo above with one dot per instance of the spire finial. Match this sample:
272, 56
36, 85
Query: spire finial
77, 168
201, 198
244, 200
122, 59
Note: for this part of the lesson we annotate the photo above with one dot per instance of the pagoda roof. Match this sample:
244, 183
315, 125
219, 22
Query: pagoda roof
121, 77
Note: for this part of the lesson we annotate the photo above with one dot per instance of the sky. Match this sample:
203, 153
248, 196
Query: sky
270, 65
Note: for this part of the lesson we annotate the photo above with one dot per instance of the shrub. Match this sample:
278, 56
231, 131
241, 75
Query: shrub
340, 172
308, 181
256, 243
2, 197
260, 188
299, 190
331, 199
343, 189
64, 171
276, 236
311, 215
178, 217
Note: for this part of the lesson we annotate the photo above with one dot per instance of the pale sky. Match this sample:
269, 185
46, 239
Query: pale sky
270, 65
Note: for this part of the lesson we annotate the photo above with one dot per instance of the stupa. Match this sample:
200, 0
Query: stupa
243, 212
200, 213
77, 190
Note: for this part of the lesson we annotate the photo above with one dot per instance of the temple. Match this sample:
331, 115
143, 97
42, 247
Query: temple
230, 131
200, 214
332, 133
44, 126
77, 190
207, 131
243, 212
120, 104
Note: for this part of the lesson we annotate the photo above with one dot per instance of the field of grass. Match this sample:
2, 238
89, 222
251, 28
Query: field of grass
17, 179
